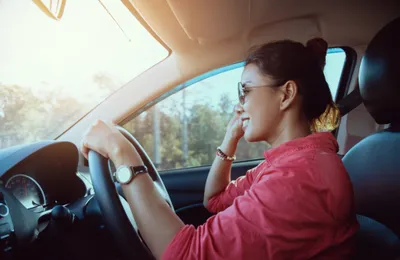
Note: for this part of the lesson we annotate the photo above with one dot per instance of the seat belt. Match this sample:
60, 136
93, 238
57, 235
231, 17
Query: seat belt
350, 102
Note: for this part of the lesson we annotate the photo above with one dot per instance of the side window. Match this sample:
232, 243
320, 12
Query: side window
335, 60
185, 129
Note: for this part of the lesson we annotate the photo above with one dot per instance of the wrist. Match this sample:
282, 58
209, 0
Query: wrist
229, 145
231, 140
231, 137
125, 155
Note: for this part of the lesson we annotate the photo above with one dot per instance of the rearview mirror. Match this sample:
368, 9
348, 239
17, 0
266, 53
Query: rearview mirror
52, 8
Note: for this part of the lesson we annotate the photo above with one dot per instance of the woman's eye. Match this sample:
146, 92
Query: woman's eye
246, 91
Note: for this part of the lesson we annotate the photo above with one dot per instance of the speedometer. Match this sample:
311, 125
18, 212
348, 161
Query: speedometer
26, 190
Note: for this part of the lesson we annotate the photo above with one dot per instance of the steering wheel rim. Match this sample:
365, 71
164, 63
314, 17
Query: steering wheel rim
114, 214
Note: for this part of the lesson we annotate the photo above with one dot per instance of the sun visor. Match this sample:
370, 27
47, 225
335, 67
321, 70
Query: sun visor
210, 20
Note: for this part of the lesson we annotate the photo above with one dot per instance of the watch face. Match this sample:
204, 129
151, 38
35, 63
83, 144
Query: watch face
124, 174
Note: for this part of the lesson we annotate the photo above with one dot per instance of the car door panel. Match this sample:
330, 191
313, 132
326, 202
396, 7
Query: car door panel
186, 186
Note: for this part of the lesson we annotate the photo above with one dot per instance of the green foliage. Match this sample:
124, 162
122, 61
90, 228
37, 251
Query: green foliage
26, 117
29, 117
206, 127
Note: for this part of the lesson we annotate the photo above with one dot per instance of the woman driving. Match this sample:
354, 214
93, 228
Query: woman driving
296, 204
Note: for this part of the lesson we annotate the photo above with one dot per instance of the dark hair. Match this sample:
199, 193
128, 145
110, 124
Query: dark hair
288, 60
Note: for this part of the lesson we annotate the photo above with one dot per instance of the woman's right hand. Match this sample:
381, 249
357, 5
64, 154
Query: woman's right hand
234, 129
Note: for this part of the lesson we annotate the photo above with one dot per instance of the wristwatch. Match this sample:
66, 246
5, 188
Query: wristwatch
125, 174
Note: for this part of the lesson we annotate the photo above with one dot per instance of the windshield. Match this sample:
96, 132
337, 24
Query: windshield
54, 72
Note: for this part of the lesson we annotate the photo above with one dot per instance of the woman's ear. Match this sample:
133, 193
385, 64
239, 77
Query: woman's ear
289, 93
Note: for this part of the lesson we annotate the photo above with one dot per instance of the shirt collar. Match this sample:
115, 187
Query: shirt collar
323, 140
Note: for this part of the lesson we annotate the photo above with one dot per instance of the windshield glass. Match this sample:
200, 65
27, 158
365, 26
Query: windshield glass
54, 72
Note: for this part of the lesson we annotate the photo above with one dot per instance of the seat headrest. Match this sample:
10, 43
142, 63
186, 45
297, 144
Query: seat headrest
379, 76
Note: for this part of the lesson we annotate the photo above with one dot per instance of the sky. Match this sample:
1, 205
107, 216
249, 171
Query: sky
38, 52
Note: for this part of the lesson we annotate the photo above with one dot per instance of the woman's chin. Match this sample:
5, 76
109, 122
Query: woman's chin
251, 136
248, 136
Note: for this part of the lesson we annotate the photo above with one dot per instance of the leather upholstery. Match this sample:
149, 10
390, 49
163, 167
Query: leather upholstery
379, 75
374, 168
376, 241
374, 163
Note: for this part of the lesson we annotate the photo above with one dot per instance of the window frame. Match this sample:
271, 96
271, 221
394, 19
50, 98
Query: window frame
345, 78
347, 72
182, 86
342, 90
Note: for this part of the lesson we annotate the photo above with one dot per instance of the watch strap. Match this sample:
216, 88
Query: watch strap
136, 170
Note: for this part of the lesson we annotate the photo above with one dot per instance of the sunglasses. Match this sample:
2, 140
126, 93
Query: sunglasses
242, 90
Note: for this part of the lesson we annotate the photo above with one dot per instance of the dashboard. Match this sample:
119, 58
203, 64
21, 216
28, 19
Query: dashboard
42, 175
27, 190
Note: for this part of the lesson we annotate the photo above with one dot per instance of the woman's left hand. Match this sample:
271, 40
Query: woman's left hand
149, 208
107, 140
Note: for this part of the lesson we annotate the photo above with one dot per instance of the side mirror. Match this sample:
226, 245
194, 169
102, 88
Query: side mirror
52, 8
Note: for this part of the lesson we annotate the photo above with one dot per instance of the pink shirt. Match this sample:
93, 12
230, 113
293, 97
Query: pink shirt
297, 204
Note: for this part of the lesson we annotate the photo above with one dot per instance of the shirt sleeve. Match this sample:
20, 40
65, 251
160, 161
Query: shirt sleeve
275, 219
234, 189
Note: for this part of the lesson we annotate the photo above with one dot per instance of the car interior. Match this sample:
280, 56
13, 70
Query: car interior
54, 204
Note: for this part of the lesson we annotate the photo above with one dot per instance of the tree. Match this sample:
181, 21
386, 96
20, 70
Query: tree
27, 118
206, 130
170, 128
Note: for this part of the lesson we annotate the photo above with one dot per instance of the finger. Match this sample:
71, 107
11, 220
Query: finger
238, 123
107, 123
83, 145
111, 125
98, 122
114, 122
84, 149
238, 109
104, 155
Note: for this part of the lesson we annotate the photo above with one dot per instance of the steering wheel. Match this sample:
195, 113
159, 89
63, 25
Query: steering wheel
116, 212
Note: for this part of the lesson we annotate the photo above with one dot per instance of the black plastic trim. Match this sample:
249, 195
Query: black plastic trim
345, 77
347, 72
186, 185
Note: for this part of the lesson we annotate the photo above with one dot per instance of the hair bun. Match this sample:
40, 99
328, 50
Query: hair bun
318, 47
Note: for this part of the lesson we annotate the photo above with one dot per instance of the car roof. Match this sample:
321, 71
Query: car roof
202, 26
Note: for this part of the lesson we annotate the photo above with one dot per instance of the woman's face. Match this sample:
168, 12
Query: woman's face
261, 109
